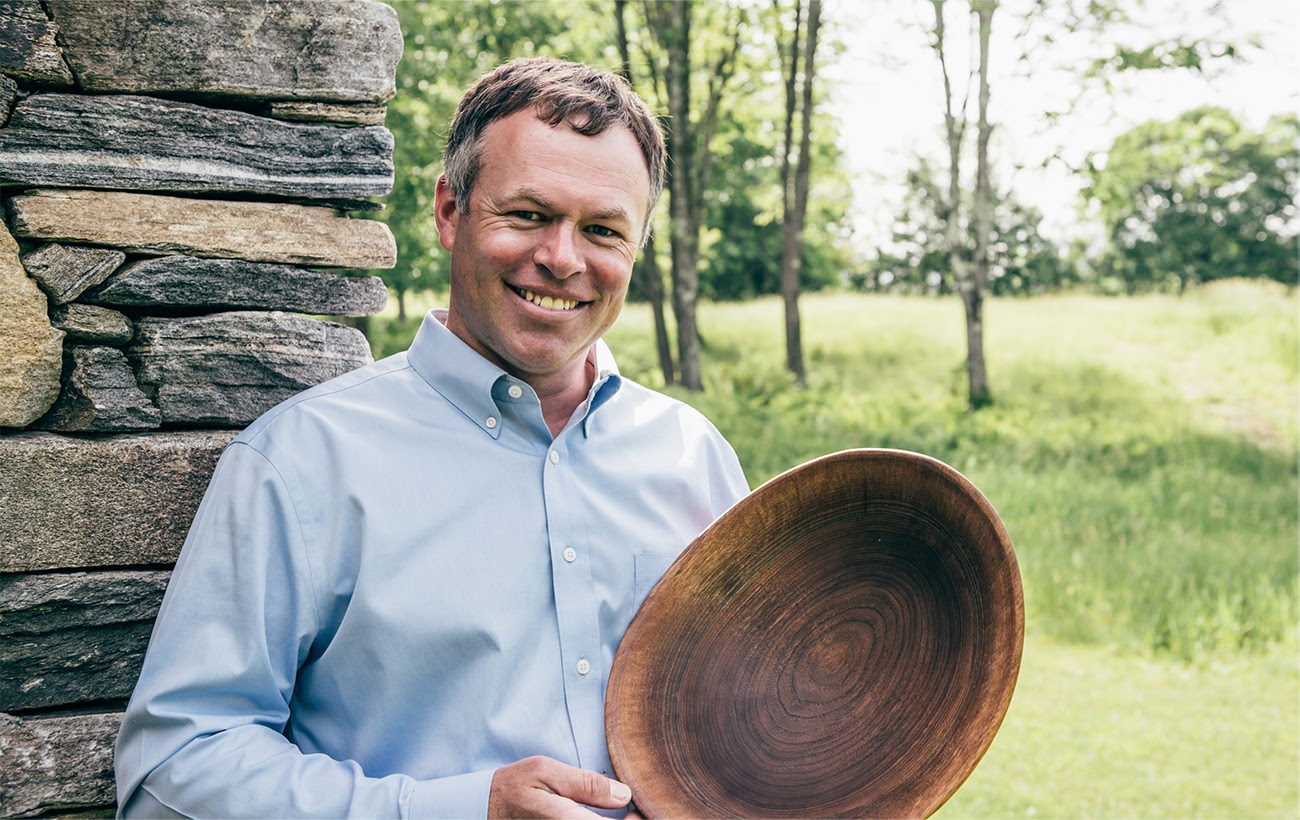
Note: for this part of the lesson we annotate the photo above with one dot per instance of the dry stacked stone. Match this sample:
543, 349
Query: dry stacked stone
184, 187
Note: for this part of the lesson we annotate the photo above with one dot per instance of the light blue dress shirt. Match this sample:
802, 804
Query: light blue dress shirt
398, 582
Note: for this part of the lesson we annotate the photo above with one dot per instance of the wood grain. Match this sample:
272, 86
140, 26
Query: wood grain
843, 642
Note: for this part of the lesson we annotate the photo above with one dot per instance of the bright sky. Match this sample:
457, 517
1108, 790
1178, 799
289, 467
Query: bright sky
887, 92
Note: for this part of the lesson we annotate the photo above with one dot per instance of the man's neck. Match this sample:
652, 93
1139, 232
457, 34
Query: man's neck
561, 393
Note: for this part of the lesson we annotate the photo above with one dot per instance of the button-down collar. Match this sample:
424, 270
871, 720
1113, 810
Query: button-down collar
478, 388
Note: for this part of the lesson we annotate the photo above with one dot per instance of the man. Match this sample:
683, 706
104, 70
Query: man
403, 591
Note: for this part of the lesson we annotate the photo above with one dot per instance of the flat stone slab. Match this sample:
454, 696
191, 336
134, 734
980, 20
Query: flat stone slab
148, 144
153, 224
57, 763
8, 93
335, 113
69, 502
328, 50
64, 271
226, 369
76, 637
28, 50
99, 395
92, 324
188, 281
32, 357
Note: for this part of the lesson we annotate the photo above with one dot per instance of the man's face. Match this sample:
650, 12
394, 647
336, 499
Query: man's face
542, 253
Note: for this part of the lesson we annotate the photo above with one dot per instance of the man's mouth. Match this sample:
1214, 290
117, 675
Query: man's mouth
547, 302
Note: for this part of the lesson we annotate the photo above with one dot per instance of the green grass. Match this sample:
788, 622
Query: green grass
1092, 734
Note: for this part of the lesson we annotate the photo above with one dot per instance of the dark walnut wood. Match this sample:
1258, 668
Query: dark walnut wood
844, 642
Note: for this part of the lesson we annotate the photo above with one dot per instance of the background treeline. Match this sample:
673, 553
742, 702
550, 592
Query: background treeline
1174, 203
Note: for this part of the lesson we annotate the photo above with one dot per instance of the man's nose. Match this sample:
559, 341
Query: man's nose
558, 251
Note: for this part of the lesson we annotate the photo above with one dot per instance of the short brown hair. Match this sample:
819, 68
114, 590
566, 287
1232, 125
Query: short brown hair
586, 99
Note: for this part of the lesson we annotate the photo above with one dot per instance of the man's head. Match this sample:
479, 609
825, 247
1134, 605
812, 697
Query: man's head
586, 99
552, 170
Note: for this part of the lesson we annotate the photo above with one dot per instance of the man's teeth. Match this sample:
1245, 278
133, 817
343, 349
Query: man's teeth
547, 302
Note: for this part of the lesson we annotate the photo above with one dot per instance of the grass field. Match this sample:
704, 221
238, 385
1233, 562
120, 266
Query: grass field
1142, 453
1092, 734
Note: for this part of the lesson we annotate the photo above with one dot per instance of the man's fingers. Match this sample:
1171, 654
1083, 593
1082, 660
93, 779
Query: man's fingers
588, 788
542, 787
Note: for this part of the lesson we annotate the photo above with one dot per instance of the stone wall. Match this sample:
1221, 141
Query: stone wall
183, 185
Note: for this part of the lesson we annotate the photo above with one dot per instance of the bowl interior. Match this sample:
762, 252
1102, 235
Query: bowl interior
843, 642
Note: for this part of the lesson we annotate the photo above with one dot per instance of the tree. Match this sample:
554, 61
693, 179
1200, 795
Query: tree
649, 266
690, 141
1198, 198
1021, 260
969, 256
794, 192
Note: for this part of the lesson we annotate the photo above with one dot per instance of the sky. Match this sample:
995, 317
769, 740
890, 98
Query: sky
886, 91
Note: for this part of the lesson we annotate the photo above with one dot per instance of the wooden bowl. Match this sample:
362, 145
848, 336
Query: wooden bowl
843, 642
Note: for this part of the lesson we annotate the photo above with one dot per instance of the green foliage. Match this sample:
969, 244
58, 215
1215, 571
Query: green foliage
1142, 452
1199, 198
1022, 261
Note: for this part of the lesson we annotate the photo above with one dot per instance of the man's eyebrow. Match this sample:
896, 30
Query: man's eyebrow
540, 199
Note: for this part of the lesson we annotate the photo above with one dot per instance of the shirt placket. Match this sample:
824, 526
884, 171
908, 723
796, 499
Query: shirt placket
575, 606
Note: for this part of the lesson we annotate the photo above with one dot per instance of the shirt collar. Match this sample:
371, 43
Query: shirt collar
467, 380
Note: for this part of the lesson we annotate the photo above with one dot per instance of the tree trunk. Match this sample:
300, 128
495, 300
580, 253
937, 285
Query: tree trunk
969, 264
401, 305
654, 285
653, 279
681, 153
793, 227
979, 395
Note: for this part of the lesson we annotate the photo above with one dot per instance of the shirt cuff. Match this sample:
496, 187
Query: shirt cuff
459, 796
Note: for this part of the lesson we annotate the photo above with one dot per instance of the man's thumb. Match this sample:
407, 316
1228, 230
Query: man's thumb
602, 792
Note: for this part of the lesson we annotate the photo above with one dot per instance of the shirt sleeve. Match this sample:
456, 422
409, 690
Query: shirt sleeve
203, 734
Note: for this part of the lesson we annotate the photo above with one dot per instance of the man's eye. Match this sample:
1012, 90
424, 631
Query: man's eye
530, 216
601, 230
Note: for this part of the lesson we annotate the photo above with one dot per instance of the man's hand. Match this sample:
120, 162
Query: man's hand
543, 787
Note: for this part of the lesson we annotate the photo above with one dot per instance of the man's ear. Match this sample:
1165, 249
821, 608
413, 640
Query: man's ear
444, 213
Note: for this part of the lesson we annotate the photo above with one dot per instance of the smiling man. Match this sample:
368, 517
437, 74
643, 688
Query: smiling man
403, 591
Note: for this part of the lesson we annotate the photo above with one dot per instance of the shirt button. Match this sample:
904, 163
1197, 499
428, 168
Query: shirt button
515, 391
584, 666
491, 422
570, 554
554, 457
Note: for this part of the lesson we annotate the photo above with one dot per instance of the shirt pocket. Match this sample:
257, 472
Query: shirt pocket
650, 567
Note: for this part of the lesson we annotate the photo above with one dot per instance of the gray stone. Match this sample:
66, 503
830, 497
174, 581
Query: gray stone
187, 281
92, 324
28, 50
64, 271
73, 638
333, 113
226, 369
32, 356
70, 502
8, 93
99, 395
152, 224
57, 764
331, 50
147, 144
